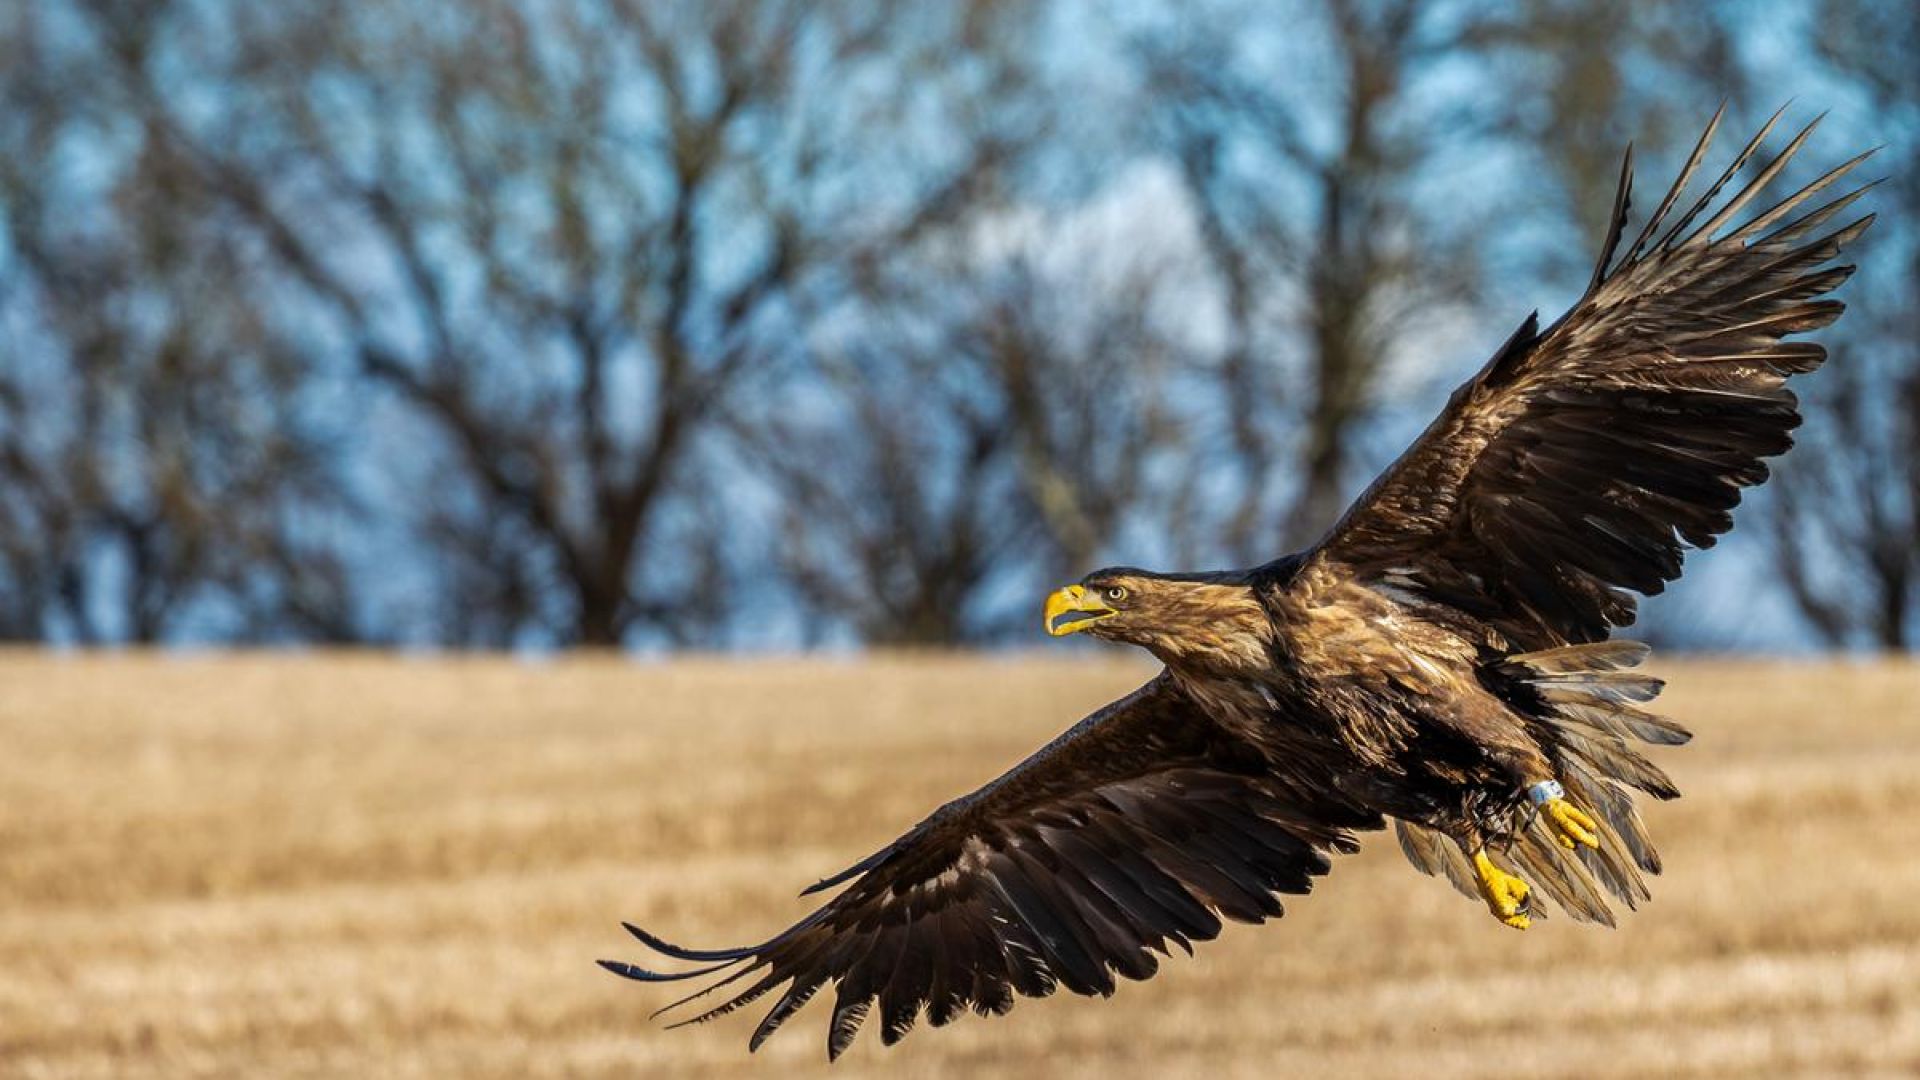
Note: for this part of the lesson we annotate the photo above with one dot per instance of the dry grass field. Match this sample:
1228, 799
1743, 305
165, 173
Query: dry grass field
363, 866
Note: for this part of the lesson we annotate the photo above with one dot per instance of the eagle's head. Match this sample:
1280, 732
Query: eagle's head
1105, 602
1176, 616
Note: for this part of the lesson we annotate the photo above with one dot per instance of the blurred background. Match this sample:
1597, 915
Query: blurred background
768, 325
397, 335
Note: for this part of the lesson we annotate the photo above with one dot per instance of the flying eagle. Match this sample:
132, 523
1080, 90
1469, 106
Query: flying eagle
1440, 658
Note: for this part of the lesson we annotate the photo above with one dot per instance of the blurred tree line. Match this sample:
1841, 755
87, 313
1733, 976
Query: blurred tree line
763, 322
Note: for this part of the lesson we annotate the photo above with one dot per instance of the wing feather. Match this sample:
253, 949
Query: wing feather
1137, 829
1582, 461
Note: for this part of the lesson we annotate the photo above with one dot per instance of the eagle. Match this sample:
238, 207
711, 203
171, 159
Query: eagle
1440, 659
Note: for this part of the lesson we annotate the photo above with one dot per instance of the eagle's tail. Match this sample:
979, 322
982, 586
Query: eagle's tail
1583, 704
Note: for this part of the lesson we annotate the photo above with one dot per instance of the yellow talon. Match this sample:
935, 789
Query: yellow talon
1505, 894
1571, 824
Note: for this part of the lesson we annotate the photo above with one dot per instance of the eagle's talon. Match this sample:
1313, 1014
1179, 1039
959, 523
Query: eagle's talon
1571, 825
1508, 897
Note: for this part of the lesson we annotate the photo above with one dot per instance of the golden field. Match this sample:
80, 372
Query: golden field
368, 866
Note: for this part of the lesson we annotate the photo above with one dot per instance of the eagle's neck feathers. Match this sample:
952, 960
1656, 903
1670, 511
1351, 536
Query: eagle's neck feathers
1211, 630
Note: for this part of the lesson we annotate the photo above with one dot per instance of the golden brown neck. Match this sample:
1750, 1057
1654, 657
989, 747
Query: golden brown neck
1204, 627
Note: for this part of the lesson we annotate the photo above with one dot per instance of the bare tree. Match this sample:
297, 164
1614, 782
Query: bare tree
1306, 203
1846, 517
1581, 80
154, 473
617, 321
565, 239
987, 431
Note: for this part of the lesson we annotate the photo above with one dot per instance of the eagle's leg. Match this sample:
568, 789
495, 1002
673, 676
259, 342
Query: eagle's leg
1570, 824
1524, 764
1506, 896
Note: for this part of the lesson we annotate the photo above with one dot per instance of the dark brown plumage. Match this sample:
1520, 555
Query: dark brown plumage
1440, 658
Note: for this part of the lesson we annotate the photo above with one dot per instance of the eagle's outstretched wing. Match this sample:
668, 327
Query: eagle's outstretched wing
1579, 461
1137, 827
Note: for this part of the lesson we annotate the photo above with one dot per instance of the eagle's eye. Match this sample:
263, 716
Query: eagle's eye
1116, 593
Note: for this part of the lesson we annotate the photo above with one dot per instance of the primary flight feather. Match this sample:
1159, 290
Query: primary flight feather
1439, 659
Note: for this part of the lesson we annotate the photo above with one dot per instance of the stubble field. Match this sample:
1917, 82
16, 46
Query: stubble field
364, 866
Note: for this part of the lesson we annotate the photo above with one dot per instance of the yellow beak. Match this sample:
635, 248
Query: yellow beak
1071, 610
